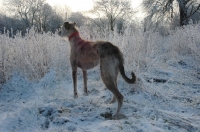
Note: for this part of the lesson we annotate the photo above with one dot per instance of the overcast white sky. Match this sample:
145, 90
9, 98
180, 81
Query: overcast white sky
80, 5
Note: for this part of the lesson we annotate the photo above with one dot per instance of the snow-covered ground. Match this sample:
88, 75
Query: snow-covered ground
166, 99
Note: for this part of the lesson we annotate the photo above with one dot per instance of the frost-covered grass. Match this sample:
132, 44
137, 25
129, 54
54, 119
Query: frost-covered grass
36, 91
32, 55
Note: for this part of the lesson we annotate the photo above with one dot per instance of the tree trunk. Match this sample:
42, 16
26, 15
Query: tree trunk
112, 27
183, 13
183, 17
111, 23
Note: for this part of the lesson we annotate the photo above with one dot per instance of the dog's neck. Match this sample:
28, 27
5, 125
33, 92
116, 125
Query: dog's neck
76, 40
73, 35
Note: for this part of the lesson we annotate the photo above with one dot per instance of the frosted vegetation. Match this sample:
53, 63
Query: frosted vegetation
33, 55
168, 68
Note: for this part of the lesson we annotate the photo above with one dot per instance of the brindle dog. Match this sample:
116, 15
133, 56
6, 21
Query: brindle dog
86, 55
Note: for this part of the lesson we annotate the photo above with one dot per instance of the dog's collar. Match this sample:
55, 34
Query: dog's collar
73, 34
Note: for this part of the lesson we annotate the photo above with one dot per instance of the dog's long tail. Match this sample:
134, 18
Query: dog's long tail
128, 80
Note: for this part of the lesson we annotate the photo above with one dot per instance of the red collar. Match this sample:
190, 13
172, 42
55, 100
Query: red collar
73, 34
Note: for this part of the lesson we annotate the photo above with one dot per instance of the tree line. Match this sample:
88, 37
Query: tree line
23, 14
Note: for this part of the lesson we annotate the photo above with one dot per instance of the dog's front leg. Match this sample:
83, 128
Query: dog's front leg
85, 81
74, 77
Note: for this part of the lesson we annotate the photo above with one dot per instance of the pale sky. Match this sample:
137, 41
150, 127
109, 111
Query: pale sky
78, 5
82, 5
74, 5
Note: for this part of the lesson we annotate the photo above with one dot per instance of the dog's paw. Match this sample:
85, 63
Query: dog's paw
75, 96
119, 116
85, 94
106, 115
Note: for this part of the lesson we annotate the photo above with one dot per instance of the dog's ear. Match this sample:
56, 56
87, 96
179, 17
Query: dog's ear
67, 25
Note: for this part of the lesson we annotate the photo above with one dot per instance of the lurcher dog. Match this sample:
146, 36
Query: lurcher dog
86, 55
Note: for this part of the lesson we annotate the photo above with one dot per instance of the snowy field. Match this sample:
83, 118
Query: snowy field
36, 90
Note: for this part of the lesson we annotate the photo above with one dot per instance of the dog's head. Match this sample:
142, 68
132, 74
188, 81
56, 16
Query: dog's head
67, 29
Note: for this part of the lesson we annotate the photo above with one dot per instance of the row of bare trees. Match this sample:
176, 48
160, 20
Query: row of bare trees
36, 13
112, 10
104, 13
165, 12
159, 13
44, 17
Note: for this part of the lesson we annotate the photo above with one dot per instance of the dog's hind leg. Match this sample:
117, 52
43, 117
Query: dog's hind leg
85, 81
111, 85
113, 100
119, 98
109, 73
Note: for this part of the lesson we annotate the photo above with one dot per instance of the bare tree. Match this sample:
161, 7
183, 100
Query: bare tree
77, 17
63, 11
187, 8
43, 16
161, 11
111, 10
27, 10
36, 13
